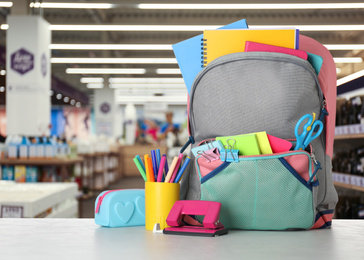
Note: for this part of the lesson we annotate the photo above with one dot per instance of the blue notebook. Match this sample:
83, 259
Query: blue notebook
188, 54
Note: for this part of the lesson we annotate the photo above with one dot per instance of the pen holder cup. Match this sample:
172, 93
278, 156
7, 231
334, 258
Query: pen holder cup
159, 199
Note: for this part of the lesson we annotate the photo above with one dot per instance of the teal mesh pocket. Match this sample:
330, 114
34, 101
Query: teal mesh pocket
263, 193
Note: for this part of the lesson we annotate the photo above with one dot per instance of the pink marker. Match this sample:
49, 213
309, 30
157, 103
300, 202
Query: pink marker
180, 156
161, 168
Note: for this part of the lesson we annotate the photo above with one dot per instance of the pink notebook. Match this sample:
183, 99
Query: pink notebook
255, 46
279, 145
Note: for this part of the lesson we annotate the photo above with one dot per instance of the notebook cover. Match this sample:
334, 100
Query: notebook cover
255, 46
263, 142
246, 144
222, 42
188, 54
279, 145
316, 61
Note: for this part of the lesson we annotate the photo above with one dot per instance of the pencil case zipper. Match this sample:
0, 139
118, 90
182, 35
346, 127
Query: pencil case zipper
101, 198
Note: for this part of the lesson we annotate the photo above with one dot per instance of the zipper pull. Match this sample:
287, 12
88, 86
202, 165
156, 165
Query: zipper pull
191, 140
317, 167
322, 114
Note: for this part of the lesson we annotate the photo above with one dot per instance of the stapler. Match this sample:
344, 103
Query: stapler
211, 225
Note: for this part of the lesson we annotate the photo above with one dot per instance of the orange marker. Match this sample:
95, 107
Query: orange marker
146, 167
151, 172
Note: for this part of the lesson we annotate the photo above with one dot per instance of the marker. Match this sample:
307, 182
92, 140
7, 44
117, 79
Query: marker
171, 169
180, 156
150, 168
146, 156
154, 161
165, 168
140, 161
140, 168
182, 170
161, 167
158, 157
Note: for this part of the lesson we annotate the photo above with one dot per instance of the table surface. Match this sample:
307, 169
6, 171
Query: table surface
83, 239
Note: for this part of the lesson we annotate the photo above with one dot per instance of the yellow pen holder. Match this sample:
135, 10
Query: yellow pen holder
159, 199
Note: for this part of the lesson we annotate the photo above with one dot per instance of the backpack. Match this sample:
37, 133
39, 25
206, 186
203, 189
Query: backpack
249, 92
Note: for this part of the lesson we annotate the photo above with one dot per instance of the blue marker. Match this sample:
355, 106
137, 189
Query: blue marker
165, 168
158, 155
181, 171
140, 161
154, 162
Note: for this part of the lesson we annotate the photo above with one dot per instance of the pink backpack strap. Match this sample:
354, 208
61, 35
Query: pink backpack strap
327, 79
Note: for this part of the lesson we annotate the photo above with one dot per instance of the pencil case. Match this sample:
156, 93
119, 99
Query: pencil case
120, 208
264, 192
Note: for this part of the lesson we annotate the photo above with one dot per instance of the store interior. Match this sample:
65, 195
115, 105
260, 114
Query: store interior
114, 90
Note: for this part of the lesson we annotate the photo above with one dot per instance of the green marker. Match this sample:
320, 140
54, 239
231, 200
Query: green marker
140, 168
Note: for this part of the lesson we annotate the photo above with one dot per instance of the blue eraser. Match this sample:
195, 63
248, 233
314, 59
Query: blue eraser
120, 208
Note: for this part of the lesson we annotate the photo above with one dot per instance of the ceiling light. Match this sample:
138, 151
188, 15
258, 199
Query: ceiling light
73, 102
4, 26
6, 4
94, 85
2, 89
78, 104
344, 46
354, 27
199, 28
146, 80
59, 96
92, 80
110, 46
149, 86
72, 5
104, 71
100, 27
2, 72
168, 71
348, 60
338, 70
350, 77
115, 60
66, 99
146, 99
253, 6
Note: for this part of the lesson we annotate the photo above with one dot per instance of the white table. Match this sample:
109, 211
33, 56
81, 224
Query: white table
53, 239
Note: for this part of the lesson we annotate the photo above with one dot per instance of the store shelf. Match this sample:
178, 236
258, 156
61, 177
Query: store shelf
43, 162
349, 131
69, 209
348, 181
36, 199
100, 165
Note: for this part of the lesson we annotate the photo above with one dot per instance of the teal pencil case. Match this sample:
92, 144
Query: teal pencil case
120, 208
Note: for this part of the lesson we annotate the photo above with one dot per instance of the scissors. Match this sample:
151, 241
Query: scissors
307, 134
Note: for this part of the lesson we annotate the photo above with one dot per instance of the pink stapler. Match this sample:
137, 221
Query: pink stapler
210, 227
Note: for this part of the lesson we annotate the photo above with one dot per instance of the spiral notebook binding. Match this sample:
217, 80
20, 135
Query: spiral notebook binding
203, 52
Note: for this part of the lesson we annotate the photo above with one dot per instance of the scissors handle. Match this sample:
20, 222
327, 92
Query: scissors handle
318, 126
300, 138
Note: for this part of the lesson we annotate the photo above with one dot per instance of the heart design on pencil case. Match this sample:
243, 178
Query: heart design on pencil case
124, 212
140, 205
